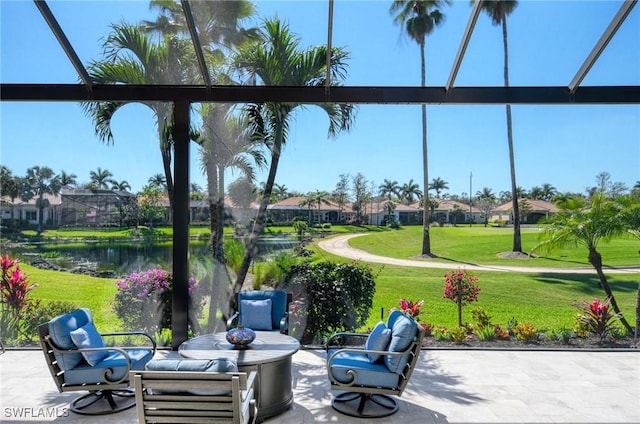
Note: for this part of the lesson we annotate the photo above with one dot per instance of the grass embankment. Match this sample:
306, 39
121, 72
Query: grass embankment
542, 299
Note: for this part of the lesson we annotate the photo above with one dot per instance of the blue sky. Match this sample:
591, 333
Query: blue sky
566, 146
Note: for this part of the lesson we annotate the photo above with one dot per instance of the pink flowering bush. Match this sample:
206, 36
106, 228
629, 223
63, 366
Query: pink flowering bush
461, 287
14, 297
597, 317
143, 301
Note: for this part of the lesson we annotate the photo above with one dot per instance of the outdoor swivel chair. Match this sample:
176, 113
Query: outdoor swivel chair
262, 310
368, 374
79, 361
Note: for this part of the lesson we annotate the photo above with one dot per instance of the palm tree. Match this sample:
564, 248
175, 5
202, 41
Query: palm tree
120, 185
438, 184
498, 10
9, 185
319, 198
419, 18
410, 192
586, 225
68, 179
38, 182
389, 189
132, 57
548, 192
100, 178
280, 192
486, 193
158, 181
277, 61
341, 193
226, 145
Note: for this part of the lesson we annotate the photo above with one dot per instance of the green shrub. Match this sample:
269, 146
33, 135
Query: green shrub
481, 317
486, 334
43, 312
339, 297
459, 334
562, 335
525, 332
442, 334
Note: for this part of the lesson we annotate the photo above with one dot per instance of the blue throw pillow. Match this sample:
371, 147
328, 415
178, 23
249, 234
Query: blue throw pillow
256, 314
378, 340
403, 332
88, 337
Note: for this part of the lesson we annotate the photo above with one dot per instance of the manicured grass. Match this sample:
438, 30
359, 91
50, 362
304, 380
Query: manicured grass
480, 245
97, 294
542, 299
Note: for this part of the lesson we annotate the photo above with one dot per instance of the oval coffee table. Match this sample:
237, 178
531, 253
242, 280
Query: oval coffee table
269, 354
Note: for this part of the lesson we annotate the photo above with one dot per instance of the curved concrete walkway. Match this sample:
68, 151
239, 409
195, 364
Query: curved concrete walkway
339, 245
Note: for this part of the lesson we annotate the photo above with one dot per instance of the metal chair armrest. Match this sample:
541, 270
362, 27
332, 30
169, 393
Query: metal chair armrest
336, 339
134, 333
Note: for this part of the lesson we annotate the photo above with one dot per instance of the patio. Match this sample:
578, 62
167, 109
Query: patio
448, 386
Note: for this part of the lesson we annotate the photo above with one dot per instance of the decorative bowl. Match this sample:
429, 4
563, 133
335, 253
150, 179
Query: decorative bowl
241, 336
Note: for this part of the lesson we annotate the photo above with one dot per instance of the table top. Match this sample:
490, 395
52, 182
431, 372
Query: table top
269, 346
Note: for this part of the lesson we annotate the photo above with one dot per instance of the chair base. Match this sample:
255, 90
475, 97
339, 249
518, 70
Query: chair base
354, 404
103, 402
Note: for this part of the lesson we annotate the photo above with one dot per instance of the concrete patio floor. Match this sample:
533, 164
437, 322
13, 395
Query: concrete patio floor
448, 386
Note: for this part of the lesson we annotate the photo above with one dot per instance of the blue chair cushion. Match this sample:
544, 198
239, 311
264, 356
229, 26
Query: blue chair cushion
60, 329
88, 337
194, 365
364, 372
112, 368
278, 303
403, 331
256, 314
378, 339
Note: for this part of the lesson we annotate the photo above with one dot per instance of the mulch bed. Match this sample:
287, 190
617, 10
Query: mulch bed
576, 343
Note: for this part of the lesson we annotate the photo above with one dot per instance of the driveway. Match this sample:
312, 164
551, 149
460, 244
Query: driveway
339, 245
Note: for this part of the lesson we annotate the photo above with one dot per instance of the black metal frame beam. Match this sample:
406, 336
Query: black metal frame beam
473, 18
608, 34
195, 39
356, 95
55, 27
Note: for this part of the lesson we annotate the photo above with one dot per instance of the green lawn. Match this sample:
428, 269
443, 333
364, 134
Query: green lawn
480, 245
544, 300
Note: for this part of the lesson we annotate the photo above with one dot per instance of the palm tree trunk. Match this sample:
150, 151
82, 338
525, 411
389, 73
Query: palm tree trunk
258, 225
426, 237
595, 259
517, 240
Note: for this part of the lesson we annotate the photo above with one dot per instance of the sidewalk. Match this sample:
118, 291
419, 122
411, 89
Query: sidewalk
339, 245
448, 386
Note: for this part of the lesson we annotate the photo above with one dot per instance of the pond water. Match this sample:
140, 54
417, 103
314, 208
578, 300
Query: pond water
125, 257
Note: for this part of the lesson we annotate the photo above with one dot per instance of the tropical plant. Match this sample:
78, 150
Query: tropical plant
410, 307
498, 12
276, 60
14, 297
38, 182
586, 225
389, 189
461, 287
410, 192
419, 18
596, 317
68, 179
133, 57
100, 178
120, 185
143, 300
438, 184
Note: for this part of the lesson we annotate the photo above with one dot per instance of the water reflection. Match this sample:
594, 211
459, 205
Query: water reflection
125, 257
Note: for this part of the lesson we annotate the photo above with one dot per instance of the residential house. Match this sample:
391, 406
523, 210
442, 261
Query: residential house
293, 207
454, 212
27, 211
531, 211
